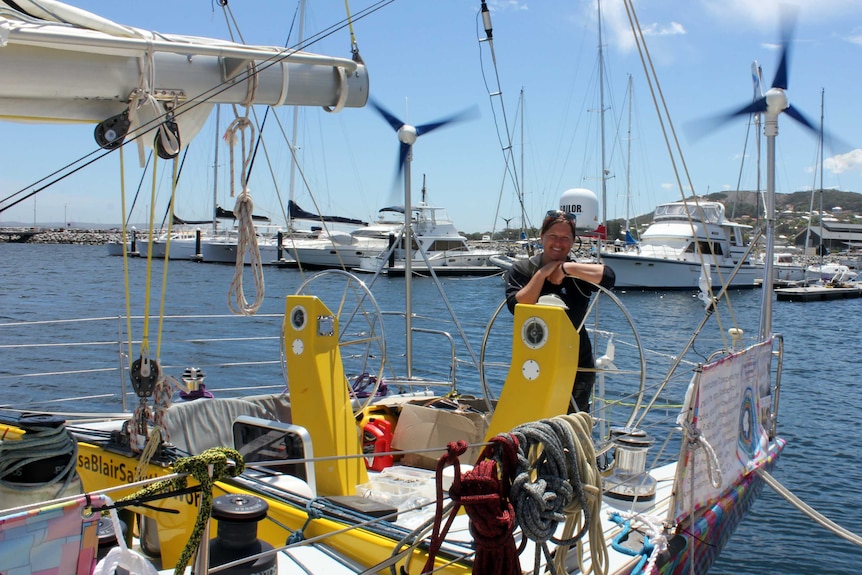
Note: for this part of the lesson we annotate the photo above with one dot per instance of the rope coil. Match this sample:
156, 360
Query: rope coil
558, 481
247, 234
212, 465
38, 444
484, 494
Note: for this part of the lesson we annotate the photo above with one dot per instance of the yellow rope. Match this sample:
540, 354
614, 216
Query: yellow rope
353, 44
212, 465
125, 251
150, 448
145, 336
581, 424
167, 256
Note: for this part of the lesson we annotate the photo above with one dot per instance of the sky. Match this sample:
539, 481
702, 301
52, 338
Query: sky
538, 80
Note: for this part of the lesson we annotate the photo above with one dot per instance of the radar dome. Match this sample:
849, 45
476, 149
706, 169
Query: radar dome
584, 204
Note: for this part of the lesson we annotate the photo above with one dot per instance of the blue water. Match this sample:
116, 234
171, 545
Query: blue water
819, 403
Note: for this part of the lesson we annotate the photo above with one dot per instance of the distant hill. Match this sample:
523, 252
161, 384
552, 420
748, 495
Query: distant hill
72, 225
744, 203
791, 210
742, 206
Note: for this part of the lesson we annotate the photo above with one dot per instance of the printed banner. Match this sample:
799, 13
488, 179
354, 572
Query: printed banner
57, 539
724, 405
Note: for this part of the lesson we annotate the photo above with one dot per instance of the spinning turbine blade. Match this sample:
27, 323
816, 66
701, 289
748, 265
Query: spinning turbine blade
467, 114
408, 134
775, 100
755, 107
393, 121
402, 158
797, 115
788, 23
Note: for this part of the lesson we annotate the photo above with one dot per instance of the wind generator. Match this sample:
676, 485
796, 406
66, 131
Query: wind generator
407, 136
771, 105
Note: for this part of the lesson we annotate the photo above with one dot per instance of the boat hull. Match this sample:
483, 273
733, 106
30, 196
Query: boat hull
634, 271
714, 526
225, 252
338, 257
166, 533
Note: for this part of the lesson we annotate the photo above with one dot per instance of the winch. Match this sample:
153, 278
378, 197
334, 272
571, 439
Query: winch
629, 480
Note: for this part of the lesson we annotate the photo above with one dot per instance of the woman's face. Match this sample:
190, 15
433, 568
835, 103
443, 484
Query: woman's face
557, 241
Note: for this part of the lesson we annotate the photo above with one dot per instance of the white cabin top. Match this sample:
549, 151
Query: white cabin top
708, 212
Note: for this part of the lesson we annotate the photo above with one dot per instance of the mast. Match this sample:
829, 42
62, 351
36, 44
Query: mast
820, 249
757, 75
602, 122
524, 233
497, 95
629, 154
215, 167
295, 127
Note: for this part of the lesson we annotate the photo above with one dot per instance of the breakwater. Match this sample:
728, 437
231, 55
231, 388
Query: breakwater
58, 236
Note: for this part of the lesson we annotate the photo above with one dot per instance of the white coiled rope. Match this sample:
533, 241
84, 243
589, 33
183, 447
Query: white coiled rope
246, 243
247, 234
558, 482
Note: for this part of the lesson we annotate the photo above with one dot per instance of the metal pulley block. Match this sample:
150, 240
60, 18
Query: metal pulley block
110, 133
144, 373
167, 140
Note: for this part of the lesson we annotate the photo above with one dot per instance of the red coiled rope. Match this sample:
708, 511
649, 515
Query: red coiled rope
484, 493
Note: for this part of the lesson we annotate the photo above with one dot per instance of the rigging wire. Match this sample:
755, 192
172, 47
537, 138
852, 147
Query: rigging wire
674, 149
191, 103
483, 18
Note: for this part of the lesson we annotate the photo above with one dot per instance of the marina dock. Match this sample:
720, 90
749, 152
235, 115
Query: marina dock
819, 293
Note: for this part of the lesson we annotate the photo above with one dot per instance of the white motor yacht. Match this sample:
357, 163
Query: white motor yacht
674, 249
442, 247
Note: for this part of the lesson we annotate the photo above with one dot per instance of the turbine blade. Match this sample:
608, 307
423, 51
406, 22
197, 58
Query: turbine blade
468, 114
403, 152
387, 115
797, 115
788, 23
756, 107
698, 128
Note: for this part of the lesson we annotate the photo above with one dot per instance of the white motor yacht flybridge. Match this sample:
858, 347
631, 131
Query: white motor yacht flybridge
685, 238
436, 244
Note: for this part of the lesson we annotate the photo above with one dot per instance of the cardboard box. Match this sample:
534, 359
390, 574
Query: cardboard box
421, 427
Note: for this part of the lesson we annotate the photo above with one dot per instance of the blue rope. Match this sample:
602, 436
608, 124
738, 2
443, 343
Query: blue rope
299, 535
616, 543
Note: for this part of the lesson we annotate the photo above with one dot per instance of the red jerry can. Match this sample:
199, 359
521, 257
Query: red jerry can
377, 438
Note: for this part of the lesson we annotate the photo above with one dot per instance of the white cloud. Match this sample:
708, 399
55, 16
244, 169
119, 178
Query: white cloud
767, 13
616, 22
500, 5
849, 162
672, 29
855, 37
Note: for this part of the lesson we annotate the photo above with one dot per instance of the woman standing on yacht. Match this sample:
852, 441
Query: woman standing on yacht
551, 271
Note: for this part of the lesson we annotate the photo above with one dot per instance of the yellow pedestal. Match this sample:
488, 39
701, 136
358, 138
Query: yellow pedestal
545, 348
